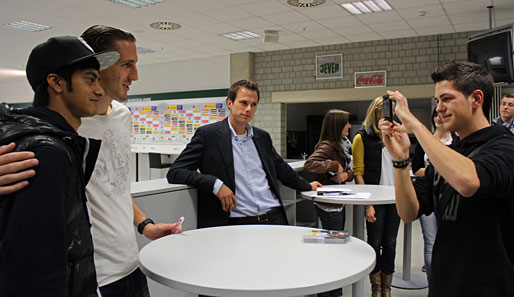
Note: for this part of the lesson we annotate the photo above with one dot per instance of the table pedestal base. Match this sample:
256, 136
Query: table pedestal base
415, 282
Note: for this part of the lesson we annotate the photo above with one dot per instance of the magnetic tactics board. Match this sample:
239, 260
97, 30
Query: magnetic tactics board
173, 121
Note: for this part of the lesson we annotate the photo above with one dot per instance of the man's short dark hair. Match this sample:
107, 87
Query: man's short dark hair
102, 38
508, 95
467, 77
41, 95
234, 88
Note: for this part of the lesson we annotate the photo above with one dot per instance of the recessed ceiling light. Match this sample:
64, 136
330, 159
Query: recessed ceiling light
383, 4
27, 26
372, 6
305, 3
241, 35
368, 6
136, 3
165, 26
351, 9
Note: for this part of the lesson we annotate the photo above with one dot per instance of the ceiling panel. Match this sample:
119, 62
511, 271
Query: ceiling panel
430, 11
321, 34
392, 26
434, 30
252, 23
335, 40
302, 27
400, 4
200, 5
286, 18
376, 18
265, 7
325, 12
229, 13
344, 31
340, 22
398, 34
428, 22
300, 44
363, 37
466, 6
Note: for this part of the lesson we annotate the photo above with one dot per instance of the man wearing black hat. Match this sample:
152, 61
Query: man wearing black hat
46, 247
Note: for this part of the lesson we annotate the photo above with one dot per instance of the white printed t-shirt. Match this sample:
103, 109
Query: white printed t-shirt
108, 193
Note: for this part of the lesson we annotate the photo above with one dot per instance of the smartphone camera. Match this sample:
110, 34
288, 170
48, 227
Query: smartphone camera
387, 108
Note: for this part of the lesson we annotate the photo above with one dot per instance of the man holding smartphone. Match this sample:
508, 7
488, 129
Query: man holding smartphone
469, 186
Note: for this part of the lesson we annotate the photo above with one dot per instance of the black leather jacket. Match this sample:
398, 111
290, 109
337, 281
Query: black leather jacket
46, 245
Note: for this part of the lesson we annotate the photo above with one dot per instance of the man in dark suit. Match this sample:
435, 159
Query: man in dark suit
238, 167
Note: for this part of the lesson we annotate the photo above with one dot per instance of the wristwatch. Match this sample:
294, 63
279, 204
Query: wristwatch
143, 224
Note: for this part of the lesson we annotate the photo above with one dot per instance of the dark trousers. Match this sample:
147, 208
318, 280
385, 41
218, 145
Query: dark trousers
273, 217
332, 220
133, 285
382, 237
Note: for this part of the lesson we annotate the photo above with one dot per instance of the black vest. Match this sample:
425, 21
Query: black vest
372, 156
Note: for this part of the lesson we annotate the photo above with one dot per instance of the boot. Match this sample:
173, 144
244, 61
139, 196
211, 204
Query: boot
387, 279
376, 288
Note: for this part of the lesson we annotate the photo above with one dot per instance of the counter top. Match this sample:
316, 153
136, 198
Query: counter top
155, 186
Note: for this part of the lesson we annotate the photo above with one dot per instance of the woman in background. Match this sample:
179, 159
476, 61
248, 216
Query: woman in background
372, 164
419, 163
330, 165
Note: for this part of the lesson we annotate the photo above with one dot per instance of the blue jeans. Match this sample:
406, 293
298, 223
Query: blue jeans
429, 230
382, 237
132, 285
333, 220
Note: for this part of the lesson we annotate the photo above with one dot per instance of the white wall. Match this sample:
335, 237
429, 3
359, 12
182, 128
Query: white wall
188, 75
16, 91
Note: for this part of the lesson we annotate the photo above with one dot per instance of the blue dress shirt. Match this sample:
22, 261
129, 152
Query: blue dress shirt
252, 192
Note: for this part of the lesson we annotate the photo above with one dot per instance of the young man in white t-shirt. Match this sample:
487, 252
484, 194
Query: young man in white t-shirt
113, 210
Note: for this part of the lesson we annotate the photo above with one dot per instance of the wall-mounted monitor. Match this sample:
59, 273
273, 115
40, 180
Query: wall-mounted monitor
494, 49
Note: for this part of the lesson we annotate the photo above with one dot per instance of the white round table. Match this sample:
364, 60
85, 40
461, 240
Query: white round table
254, 260
379, 195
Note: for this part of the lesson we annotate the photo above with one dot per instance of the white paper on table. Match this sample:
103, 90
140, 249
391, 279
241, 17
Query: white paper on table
360, 195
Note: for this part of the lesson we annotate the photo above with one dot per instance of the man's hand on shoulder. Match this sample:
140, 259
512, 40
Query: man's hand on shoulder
14, 169
227, 198
315, 185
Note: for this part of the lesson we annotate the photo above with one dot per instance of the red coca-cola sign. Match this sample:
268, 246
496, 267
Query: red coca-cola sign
370, 79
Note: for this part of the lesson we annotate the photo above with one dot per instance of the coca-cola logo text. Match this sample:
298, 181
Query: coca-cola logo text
370, 80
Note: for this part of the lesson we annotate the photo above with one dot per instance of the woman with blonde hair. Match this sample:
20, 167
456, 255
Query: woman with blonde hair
330, 165
372, 164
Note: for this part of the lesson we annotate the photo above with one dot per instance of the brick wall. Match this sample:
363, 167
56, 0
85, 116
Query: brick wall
408, 61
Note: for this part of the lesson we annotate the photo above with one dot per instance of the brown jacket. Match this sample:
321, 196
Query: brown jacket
326, 158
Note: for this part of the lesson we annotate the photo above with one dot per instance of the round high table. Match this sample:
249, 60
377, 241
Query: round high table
379, 195
254, 260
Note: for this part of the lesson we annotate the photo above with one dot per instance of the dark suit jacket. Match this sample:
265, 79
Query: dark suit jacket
210, 151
